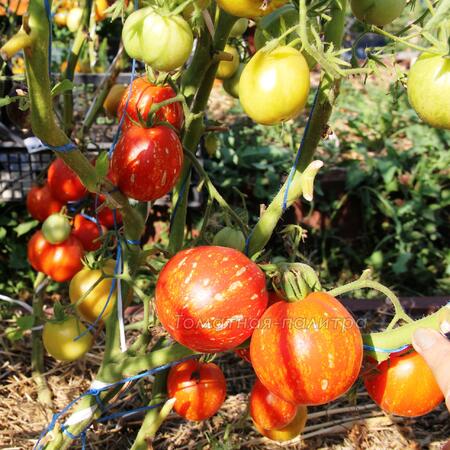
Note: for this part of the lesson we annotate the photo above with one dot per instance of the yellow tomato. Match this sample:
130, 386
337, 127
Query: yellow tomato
274, 85
60, 18
59, 339
74, 18
291, 430
113, 99
250, 8
227, 69
100, 9
94, 302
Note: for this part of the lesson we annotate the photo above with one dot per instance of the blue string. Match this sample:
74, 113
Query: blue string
66, 148
386, 350
133, 241
90, 218
131, 412
50, 37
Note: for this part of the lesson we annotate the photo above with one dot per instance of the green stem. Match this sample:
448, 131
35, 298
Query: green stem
317, 124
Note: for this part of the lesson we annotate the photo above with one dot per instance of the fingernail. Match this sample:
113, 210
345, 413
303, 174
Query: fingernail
424, 339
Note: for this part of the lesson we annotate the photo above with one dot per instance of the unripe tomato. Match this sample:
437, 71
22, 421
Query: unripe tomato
404, 385
143, 96
114, 98
227, 69
250, 8
199, 389
429, 89
308, 352
230, 237
171, 38
87, 232
212, 144
268, 411
290, 431
60, 262
239, 28
147, 162
74, 18
210, 298
274, 85
64, 182
41, 203
56, 228
94, 302
59, 339
231, 85
377, 12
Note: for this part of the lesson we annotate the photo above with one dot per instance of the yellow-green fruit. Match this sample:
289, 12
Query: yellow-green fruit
377, 12
56, 228
231, 85
211, 144
429, 89
73, 20
227, 69
94, 302
274, 85
230, 237
239, 28
113, 99
59, 339
250, 8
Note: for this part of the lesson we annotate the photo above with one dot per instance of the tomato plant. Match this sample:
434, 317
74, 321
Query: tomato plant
64, 184
403, 385
250, 8
41, 203
268, 411
377, 12
143, 96
429, 89
59, 338
308, 352
199, 389
147, 162
210, 298
88, 288
274, 85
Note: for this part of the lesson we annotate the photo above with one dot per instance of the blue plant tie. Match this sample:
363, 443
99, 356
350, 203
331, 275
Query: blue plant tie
66, 148
386, 350
48, 11
133, 241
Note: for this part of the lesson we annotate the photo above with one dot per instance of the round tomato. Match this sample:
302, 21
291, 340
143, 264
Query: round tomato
239, 28
404, 385
56, 228
74, 18
88, 232
308, 352
41, 203
147, 162
59, 339
210, 298
429, 89
94, 302
114, 98
231, 85
143, 96
268, 411
199, 389
230, 237
171, 38
274, 85
250, 8
227, 69
100, 7
15, 7
60, 262
64, 182
105, 214
377, 12
290, 431
60, 18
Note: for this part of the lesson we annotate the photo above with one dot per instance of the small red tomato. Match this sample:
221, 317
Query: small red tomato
147, 162
41, 203
105, 215
60, 261
143, 96
199, 389
268, 411
404, 385
210, 298
308, 352
88, 232
64, 182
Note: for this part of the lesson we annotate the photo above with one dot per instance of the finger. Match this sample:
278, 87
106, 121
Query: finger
435, 349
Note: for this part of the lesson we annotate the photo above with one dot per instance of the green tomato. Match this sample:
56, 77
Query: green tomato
227, 69
429, 89
56, 228
377, 12
239, 28
230, 237
211, 144
231, 85
59, 339
162, 42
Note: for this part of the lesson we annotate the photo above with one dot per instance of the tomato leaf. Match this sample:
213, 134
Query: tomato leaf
61, 87
14, 334
25, 322
25, 227
102, 164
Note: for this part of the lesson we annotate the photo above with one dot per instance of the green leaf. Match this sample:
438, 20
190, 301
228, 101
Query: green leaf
61, 87
25, 322
102, 164
26, 227
2, 233
401, 264
5, 101
14, 334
